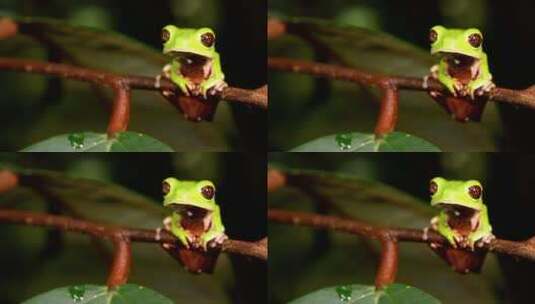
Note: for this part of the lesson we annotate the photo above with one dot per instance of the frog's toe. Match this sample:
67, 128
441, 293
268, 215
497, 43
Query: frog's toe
453, 90
487, 239
185, 91
488, 87
435, 245
221, 238
213, 91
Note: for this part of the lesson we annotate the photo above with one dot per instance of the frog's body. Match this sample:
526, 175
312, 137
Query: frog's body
196, 219
463, 221
463, 69
196, 66
463, 218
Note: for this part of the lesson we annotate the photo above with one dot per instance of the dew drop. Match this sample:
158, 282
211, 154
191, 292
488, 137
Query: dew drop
77, 140
77, 293
344, 141
344, 293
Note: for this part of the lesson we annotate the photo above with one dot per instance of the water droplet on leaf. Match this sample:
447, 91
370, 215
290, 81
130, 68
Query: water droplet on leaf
344, 141
344, 293
77, 293
77, 140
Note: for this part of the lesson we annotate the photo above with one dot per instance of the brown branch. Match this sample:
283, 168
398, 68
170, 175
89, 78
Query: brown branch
388, 265
275, 28
121, 238
8, 28
122, 84
325, 70
524, 98
256, 249
8, 180
122, 258
257, 97
388, 112
121, 105
253, 249
120, 110
522, 249
275, 179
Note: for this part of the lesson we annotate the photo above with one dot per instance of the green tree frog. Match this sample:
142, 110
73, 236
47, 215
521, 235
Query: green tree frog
463, 218
463, 69
196, 218
195, 67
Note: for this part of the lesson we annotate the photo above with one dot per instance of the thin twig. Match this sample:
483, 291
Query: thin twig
120, 110
388, 265
108, 231
122, 259
121, 237
388, 113
275, 179
122, 85
524, 98
8, 180
522, 249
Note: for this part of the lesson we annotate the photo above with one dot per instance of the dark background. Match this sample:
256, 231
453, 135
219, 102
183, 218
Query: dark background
507, 179
240, 183
508, 30
28, 113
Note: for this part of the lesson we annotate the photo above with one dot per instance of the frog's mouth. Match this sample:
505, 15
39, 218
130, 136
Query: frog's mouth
461, 217
192, 213
190, 62
462, 66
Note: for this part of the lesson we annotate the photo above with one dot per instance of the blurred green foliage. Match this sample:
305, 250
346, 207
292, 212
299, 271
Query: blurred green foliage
331, 258
312, 107
35, 107
34, 260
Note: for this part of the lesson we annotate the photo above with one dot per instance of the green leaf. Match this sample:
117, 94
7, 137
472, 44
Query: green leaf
363, 48
344, 258
103, 202
364, 199
363, 294
111, 51
94, 47
93, 199
98, 142
335, 110
362, 142
95, 294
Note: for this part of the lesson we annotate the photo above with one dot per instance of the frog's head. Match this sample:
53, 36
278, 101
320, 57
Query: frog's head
456, 194
185, 42
467, 42
179, 194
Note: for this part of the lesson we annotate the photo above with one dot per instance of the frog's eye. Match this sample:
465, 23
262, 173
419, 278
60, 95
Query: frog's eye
208, 39
166, 187
433, 36
433, 187
208, 192
475, 191
475, 40
165, 35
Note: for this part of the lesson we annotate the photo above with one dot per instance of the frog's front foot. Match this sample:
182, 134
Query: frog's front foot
218, 240
219, 87
463, 242
167, 222
213, 241
434, 222
459, 89
487, 239
482, 90
212, 88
